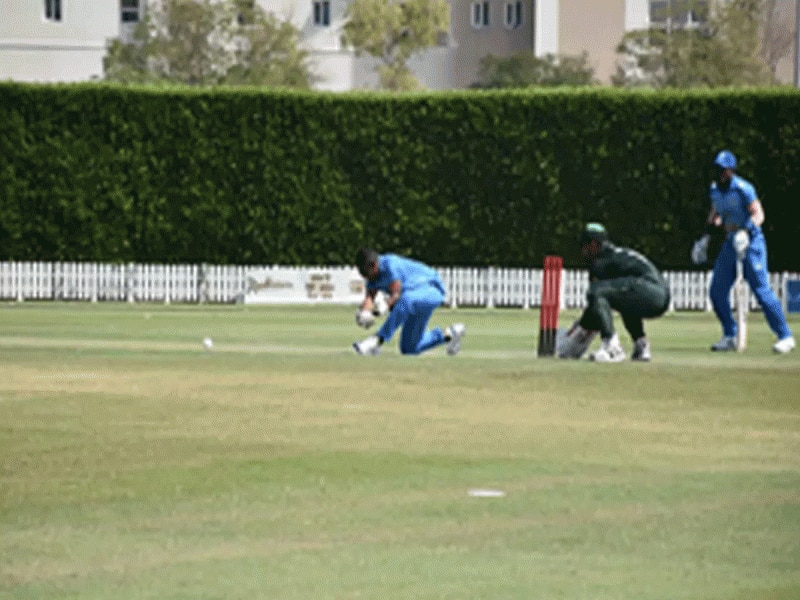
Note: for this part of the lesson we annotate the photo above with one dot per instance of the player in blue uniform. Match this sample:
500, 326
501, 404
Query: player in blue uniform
735, 207
414, 291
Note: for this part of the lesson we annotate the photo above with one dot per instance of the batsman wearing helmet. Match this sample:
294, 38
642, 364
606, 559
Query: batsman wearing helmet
621, 279
414, 291
735, 207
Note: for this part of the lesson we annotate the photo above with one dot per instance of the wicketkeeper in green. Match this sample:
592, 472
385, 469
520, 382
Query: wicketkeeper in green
623, 280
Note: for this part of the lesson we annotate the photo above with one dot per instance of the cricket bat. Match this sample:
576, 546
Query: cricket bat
740, 291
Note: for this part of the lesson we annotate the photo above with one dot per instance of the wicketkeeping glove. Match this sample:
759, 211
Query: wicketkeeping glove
573, 342
741, 241
365, 318
700, 250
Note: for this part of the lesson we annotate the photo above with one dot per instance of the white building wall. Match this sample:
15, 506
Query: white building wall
434, 68
333, 71
545, 35
72, 49
332, 67
637, 14
338, 69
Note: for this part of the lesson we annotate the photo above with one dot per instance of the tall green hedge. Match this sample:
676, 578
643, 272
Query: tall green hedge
95, 172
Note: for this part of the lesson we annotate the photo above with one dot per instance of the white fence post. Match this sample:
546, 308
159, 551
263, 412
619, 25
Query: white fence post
490, 287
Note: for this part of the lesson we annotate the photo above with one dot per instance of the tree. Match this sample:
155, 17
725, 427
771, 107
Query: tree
725, 50
208, 42
393, 31
525, 69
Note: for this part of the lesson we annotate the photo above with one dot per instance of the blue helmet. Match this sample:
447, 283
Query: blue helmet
725, 160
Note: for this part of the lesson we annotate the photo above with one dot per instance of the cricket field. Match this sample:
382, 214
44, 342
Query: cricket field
278, 464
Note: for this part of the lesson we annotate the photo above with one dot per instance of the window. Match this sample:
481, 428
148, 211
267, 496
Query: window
130, 11
322, 12
514, 15
480, 14
52, 10
678, 14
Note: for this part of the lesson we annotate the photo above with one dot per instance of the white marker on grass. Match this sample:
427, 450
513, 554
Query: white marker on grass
483, 493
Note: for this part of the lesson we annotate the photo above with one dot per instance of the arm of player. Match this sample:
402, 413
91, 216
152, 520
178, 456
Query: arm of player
395, 289
741, 237
364, 315
756, 211
699, 252
369, 301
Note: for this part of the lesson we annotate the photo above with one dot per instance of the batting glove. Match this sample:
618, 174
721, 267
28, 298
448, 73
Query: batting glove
700, 250
365, 318
380, 306
741, 242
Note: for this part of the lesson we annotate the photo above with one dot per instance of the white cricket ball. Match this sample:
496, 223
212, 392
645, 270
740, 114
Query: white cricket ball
208, 344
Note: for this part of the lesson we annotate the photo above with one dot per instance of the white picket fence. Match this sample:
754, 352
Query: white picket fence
474, 287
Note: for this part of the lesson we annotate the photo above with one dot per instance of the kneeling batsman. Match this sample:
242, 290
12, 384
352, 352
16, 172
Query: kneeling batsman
408, 292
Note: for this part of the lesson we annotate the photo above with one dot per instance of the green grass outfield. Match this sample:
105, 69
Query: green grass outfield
135, 464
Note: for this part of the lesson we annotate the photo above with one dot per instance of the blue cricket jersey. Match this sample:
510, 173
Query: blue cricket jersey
410, 273
733, 204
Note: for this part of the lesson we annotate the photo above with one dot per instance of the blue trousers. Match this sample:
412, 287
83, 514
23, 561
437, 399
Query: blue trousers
412, 311
757, 275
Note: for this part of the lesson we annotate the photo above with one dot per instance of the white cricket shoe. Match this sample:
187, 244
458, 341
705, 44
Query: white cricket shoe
785, 345
370, 346
641, 350
455, 332
610, 351
725, 344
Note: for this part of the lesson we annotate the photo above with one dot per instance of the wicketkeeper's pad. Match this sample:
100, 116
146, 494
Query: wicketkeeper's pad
573, 342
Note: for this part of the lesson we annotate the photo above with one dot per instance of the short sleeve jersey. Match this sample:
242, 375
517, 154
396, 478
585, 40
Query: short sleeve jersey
410, 273
732, 205
614, 262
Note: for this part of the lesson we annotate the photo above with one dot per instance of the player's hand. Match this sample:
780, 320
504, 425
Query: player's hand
700, 250
573, 342
364, 318
741, 242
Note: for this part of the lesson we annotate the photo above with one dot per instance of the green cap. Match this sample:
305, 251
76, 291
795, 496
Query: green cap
593, 231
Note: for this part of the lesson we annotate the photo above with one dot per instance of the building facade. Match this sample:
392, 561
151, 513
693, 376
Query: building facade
65, 40
55, 40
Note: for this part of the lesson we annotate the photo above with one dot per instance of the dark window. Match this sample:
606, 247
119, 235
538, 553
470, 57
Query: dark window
52, 10
480, 14
130, 11
514, 15
322, 12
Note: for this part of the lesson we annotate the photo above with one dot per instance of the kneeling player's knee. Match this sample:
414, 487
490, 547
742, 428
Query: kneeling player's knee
402, 304
408, 349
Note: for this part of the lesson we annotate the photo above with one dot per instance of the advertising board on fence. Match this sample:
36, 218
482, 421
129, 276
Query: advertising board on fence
793, 295
303, 285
